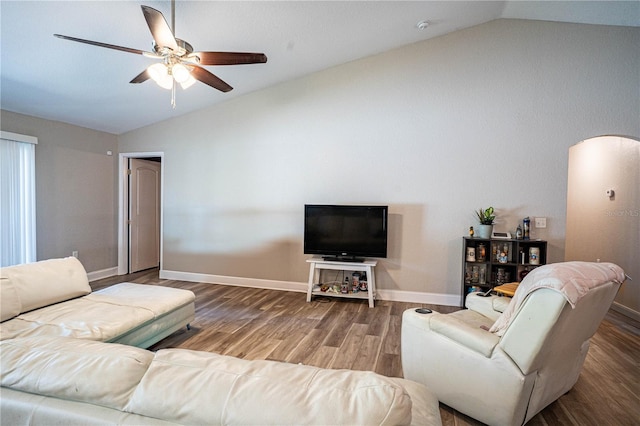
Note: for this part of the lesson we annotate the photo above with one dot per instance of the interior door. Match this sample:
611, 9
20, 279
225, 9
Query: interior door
144, 214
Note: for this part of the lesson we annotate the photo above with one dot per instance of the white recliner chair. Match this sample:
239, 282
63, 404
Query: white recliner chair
502, 368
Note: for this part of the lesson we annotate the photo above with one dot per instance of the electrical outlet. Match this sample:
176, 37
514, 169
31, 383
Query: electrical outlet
74, 253
541, 222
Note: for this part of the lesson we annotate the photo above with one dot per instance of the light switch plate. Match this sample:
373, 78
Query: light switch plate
541, 222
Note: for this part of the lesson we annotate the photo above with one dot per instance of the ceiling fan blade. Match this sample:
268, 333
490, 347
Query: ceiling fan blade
207, 78
108, 46
141, 78
230, 58
159, 28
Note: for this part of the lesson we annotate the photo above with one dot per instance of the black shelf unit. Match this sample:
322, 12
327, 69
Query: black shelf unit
505, 261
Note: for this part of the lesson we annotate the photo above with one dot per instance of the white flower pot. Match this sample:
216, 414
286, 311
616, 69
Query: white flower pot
483, 231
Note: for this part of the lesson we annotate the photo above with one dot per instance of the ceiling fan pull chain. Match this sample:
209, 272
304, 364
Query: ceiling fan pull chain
173, 94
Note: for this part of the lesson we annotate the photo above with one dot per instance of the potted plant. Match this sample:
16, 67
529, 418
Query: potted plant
486, 218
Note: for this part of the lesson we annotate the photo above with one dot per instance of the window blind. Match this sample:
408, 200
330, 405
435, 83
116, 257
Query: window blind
17, 199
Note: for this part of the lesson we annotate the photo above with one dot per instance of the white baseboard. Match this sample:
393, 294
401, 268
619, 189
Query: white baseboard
235, 281
301, 287
104, 273
420, 297
626, 311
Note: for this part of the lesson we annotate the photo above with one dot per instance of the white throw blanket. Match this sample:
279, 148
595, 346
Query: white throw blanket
572, 279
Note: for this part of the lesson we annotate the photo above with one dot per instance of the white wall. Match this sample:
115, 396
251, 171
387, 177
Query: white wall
479, 117
75, 190
601, 227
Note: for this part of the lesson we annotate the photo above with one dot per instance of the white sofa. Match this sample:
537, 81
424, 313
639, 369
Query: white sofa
58, 380
58, 367
53, 298
504, 360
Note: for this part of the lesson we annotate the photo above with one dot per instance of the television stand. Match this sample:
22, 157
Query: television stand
316, 264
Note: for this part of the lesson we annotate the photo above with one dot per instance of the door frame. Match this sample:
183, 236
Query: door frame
123, 206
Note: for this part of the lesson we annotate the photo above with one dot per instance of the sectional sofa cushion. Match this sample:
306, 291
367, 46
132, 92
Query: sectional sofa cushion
27, 409
9, 300
106, 315
157, 300
72, 369
35, 285
195, 388
265, 392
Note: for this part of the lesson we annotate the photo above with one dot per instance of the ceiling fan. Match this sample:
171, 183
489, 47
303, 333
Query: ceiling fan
180, 64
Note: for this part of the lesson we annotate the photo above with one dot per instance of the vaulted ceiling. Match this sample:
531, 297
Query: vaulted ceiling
88, 86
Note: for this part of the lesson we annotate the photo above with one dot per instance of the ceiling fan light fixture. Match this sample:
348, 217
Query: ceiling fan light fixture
180, 73
178, 62
188, 82
160, 74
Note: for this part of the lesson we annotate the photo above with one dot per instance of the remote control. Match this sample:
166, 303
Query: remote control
486, 293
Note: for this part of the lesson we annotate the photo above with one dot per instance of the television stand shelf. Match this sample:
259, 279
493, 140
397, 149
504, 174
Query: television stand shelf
316, 264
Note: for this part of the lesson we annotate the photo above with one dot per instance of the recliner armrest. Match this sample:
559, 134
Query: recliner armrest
491, 307
473, 338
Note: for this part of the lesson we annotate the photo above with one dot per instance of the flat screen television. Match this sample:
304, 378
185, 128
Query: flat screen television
346, 233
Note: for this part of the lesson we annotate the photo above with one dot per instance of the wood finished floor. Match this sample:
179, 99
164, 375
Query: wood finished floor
336, 333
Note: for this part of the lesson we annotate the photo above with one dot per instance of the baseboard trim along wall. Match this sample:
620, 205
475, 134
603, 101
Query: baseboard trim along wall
104, 273
391, 295
234, 281
419, 297
301, 287
626, 311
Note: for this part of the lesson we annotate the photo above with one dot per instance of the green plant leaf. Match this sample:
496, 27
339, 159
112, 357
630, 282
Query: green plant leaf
486, 216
